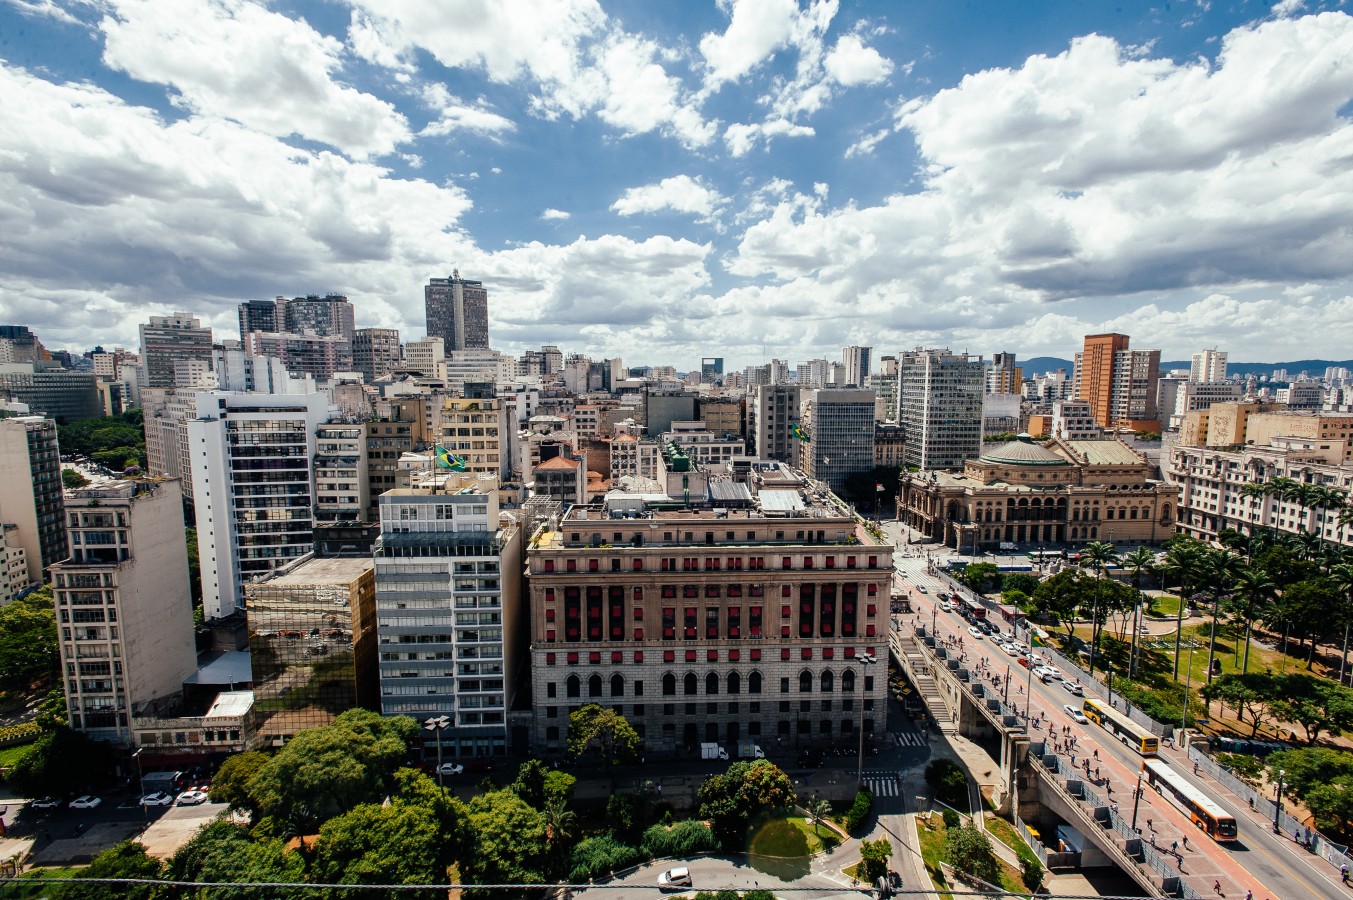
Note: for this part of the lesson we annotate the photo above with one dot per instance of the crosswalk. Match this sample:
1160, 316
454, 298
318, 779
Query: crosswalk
909, 738
883, 783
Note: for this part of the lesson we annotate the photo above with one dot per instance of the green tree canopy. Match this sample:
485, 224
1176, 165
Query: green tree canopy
125, 860
113, 441
1252, 695
508, 841
28, 648
968, 850
231, 782
63, 762
874, 859
948, 780
1020, 581
602, 731
371, 844
737, 796
1060, 597
1318, 705
537, 784
981, 578
224, 851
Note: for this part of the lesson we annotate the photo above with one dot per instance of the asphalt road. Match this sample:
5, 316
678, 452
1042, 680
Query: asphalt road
717, 873
1261, 862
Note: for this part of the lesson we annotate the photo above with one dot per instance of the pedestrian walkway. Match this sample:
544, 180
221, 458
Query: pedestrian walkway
910, 739
884, 782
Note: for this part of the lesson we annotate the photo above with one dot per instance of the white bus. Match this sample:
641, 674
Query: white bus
1205, 812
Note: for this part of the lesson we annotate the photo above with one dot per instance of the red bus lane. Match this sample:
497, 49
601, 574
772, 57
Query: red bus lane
1113, 768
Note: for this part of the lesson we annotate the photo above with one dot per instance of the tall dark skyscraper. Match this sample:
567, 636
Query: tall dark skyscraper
260, 315
327, 316
458, 312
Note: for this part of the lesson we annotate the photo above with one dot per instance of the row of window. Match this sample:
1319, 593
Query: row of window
710, 564
617, 657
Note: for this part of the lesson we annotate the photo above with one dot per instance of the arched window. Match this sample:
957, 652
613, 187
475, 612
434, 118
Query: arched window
848, 680
754, 683
617, 685
669, 685
692, 684
594, 686
805, 682
712, 683
828, 682
573, 687
734, 683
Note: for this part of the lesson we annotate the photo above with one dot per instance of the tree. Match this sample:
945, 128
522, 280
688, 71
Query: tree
1253, 695
1097, 555
1221, 568
72, 480
28, 649
63, 762
508, 841
948, 781
603, 731
537, 784
331, 769
1183, 557
679, 839
1341, 577
374, 844
1305, 609
969, 851
1322, 779
231, 783
1059, 597
1318, 705
125, 860
600, 855
224, 851
1020, 581
981, 578
874, 859
1254, 594
734, 798
818, 810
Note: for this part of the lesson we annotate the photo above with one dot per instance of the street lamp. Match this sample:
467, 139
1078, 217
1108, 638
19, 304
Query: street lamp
141, 779
1188, 683
1278, 808
436, 725
865, 660
1137, 796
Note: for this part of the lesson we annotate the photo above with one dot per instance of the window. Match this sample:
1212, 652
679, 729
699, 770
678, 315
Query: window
805, 682
754, 683
594, 686
638, 688
828, 682
691, 686
784, 685
734, 683
669, 685
617, 686
712, 683
573, 686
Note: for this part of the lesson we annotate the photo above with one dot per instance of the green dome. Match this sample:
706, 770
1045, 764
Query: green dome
1023, 451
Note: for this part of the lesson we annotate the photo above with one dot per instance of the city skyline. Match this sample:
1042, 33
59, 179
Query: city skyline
749, 179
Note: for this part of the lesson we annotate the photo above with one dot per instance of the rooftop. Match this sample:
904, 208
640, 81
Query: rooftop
1105, 453
323, 570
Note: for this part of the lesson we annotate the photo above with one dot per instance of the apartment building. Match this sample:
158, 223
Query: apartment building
745, 621
375, 352
1119, 384
342, 491
167, 338
30, 492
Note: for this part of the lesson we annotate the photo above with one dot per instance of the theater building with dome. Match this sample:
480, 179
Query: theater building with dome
1041, 494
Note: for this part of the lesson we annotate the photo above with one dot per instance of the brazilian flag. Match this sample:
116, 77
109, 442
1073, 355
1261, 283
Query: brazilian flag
798, 432
448, 460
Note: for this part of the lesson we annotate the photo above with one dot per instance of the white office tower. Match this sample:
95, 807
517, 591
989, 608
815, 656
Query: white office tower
941, 407
253, 487
124, 606
448, 576
1210, 365
858, 362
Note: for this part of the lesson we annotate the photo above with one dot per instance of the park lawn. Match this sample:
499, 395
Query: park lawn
787, 837
1162, 607
932, 851
17, 890
10, 756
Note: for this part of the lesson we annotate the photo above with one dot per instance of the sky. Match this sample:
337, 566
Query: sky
662, 182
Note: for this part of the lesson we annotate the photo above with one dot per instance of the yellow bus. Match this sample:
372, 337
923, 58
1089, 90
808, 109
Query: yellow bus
1205, 812
1121, 727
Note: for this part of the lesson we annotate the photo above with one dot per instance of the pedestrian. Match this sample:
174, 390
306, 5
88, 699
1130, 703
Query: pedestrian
1216, 886
1195, 768
1186, 842
1096, 773
1096, 753
1149, 824
1174, 847
1153, 839
1073, 760
1114, 807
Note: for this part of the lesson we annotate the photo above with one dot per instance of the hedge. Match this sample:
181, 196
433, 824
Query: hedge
680, 839
19, 734
859, 810
600, 855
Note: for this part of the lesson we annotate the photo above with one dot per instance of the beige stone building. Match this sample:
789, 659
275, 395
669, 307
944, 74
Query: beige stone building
1025, 492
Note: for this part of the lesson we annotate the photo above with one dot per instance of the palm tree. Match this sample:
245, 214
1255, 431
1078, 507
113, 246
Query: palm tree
1182, 559
1220, 570
1098, 555
1342, 576
1256, 493
1254, 594
818, 810
1139, 561
560, 821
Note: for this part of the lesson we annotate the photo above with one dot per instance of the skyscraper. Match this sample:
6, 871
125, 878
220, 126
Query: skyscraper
1210, 365
328, 316
1119, 384
1004, 377
858, 362
940, 407
168, 338
774, 413
840, 426
30, 491
375, 352
457, 312
261, 315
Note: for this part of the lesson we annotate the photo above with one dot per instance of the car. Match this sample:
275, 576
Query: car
1074, 687
1023, 661
88, 801
159, 798
975, 632
45, 803
450, 769
1142, 629
1075, 714
675, 879
192, 797
922, 589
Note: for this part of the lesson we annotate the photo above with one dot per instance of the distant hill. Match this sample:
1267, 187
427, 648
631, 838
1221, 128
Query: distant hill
1040, 364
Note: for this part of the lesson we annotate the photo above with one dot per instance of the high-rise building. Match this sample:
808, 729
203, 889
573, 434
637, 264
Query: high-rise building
706, 623
124, 606
448, 611
30, 492
458, 312
775, 412
663, 407
1209, 365
168, 338
811, 374
51, 391
320, 355
375, 352
940, 407
261, 315
1119, 384
858, 362
342, 493
253, 487
18, 344
1004, 377
330, 315
840, 426
711, 369
476, 431
426, 357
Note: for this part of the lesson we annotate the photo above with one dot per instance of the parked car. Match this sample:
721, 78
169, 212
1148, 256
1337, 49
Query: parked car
1075, 714
159, 798
45, 803
450, 769
88, 801
192, 798
678, 878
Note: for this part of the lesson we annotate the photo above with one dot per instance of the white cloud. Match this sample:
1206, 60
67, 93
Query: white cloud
756, 29
1286, 8
44, 8
850, 62
552, 215
239, 61
681, 193
456, 117
742, 138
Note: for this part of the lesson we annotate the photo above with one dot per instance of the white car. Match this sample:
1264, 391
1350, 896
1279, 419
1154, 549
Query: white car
1075, 714
675, 879
88, 801
45, 803
922, 589
450, 769
159, 798
192, 798
975, 632
1073, 686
